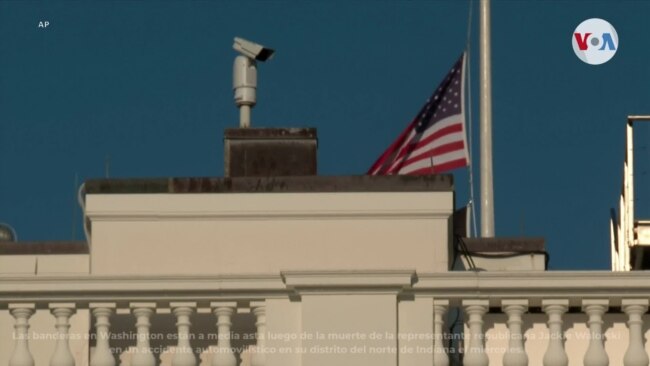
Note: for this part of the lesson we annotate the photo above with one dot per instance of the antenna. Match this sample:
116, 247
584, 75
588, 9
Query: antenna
244, 77
74, 207
107, 166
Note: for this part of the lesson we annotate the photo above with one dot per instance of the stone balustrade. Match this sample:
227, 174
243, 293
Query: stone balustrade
510, 319
141, 354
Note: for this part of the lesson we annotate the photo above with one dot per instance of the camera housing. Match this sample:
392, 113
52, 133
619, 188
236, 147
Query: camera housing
252, 50
245, 76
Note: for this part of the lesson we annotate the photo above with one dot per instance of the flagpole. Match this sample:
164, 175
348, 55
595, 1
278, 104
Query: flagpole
487, 190
470, 121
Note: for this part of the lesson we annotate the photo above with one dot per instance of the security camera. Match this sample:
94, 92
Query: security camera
244, 80
252, 49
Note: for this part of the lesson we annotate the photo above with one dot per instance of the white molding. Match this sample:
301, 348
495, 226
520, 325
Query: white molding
535, 286
370, 280
260, 206
126, 289
182, 304
497, 287
514, 302
223, 304
475, 302
633, 302
268, 215
598, 302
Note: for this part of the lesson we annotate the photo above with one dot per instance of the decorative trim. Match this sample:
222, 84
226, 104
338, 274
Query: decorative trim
535, 286
260, 206
357, 280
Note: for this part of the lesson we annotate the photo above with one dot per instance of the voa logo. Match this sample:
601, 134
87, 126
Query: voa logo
595, 41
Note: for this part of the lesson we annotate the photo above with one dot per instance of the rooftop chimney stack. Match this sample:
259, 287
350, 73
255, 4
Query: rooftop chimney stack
270, 152
263, 152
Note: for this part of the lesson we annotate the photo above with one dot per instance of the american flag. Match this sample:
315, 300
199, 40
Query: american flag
435, 141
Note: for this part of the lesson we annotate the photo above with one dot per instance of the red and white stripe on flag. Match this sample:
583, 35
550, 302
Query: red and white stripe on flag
435, 141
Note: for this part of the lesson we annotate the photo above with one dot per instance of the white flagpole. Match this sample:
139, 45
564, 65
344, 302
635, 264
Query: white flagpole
470, 121
487, 190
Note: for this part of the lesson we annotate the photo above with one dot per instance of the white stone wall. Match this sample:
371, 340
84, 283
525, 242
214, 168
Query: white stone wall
268, 233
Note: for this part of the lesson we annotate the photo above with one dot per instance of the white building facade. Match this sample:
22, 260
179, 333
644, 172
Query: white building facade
302, 271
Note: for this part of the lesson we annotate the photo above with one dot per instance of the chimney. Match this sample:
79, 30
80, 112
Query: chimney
270, 152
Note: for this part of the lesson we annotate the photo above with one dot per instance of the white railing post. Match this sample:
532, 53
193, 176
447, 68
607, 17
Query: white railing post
183, 355
595, 355
555, 354
259, 356
62, 355
102, 355
635, 354
516, 353
475, 353
21, 355
143, 355
225, 355
440, 357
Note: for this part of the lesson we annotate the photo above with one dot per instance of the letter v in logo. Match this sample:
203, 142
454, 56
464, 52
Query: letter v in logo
594, 41
582, 40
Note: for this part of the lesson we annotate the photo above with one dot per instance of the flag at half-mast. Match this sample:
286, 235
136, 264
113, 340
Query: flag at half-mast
435, 141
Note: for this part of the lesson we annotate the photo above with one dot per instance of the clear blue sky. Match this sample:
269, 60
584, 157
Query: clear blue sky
149, 84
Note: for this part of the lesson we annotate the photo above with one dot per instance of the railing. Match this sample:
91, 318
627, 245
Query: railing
570, 303
507, 318
133, 303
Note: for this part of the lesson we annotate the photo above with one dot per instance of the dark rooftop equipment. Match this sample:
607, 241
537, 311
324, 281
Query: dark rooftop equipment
7, 233
270, 152
502, 247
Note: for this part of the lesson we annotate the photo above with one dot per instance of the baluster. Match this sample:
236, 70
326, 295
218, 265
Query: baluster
62, 355
143, 355
635, 354
259, 356
595, 355
475, 353
440, 357
21, 355
516, 353
225, 355
102, 355
555, 354
183, 356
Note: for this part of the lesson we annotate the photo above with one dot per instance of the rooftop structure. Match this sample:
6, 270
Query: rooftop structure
300, 269
630, 237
